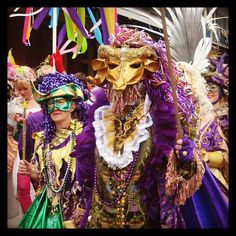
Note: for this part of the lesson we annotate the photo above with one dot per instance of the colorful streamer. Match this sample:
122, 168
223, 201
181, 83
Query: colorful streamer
61, 35
75, 18
81, 40
109, 19
69, 26
110, 14
27, 28
51, 14
74, 27
97, 32
39, 19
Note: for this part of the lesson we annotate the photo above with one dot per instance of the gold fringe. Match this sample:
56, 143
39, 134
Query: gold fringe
176, 185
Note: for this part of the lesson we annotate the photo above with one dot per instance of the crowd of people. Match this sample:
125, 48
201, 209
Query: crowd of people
104, 151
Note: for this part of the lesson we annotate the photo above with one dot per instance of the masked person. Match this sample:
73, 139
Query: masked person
131, 134
217, 87
54, 172
211, 199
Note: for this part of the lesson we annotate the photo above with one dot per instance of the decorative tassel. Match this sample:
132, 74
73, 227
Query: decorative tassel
179, 186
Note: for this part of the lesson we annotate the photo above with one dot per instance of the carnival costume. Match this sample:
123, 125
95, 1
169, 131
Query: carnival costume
13, 107
211, 203
221, 106
22, 186
191, 41
58, 192
134, 131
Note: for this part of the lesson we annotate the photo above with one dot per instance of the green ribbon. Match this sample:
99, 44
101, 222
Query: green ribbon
81, 40
69, 28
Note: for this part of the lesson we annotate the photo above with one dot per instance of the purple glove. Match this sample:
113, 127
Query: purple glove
185, 154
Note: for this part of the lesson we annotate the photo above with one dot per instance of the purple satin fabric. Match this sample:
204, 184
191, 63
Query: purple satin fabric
39, 19
207, 208
75, 18
61, 35
104, 27
212, 138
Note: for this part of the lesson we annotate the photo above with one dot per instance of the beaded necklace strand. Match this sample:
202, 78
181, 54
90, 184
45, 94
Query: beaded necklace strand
46, 171
121, 191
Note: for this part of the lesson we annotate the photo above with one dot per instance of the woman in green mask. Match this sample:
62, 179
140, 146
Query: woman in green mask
54, 172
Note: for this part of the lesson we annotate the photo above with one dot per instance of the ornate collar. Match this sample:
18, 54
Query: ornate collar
105, 135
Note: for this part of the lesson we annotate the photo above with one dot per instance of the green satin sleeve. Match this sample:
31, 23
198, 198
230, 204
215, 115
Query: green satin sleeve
39, 216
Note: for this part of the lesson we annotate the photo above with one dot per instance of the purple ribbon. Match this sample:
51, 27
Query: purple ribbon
61, 35
39, 19
75, 18
104, 27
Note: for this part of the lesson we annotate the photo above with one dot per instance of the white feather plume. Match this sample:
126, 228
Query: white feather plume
188, 32
200, 60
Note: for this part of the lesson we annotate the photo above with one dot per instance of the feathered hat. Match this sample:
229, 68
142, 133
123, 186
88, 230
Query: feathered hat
218, 76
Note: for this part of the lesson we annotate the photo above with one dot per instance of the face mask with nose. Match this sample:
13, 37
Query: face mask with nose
123, 66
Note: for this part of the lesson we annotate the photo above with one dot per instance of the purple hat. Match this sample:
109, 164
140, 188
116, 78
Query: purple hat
219, 64
218, 79
217, 76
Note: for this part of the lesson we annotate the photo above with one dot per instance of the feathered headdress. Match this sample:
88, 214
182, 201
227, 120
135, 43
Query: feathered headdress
188, 36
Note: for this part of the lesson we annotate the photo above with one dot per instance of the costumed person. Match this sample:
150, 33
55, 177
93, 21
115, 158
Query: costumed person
131, 134
14, 212
218, 86
22, 186
211, 143
13, 109
54, 172
207, 207
33, 122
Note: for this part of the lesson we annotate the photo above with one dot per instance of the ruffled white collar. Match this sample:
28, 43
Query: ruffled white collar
119, 160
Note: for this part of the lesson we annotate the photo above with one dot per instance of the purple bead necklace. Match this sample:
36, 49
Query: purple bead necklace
121, 191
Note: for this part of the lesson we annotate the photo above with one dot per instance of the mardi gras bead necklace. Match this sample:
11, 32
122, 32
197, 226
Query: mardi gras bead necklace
48, 172
122, 191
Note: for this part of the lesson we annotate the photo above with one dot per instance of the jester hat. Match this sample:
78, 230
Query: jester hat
59, 85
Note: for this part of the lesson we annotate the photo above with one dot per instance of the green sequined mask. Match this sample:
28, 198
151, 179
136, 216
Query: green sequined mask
61, 103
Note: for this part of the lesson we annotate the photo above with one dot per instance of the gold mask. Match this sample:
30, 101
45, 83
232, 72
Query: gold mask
123, 66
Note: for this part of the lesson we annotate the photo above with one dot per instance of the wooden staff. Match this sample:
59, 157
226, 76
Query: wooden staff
24, 130
172, 78
54, 35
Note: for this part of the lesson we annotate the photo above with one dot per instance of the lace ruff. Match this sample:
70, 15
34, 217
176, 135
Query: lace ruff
112, 159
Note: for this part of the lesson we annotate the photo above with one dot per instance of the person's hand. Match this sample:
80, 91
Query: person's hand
24, 168
184, 149
58, 61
